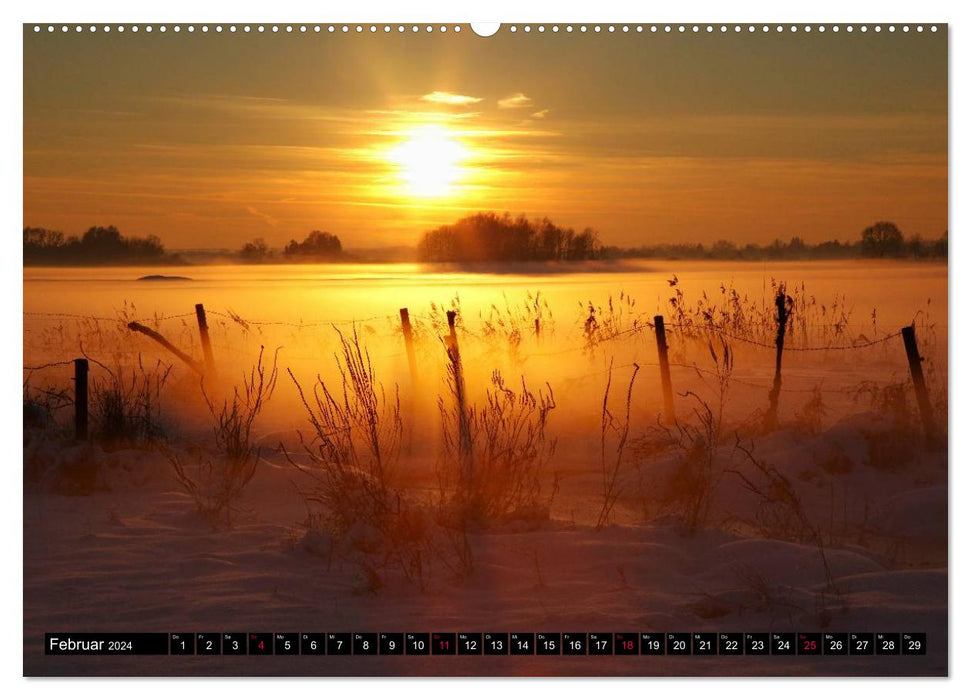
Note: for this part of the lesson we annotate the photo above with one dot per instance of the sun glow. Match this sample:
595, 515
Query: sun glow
429, 161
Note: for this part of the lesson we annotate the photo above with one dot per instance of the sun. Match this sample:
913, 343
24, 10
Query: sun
429, 161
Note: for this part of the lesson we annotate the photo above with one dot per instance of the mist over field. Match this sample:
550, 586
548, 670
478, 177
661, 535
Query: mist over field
558, 497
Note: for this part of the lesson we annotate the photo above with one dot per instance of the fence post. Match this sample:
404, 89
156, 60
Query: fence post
160, 339
783, 306
81, 399
920, 386
409, 336
406, 331
204, 337
465, 438
662, 360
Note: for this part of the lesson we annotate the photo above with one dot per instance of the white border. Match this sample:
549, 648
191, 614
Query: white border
438, 11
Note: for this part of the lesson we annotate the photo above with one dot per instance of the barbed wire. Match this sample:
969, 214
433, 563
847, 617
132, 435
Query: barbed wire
108, 319
712, 373
37, 368
646, 325
721, 332
590, 346
80, 317
298, 324
791, 348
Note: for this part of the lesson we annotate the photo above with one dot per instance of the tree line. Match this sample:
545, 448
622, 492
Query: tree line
884, 239
98, 245
490, 237
317, 246
483, 237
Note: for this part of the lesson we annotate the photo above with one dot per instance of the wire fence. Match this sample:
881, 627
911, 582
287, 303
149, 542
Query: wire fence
589, 346
38, 368
594, 341
690, 329
642, 326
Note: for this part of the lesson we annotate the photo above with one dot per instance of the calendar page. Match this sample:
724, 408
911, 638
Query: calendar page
537, 349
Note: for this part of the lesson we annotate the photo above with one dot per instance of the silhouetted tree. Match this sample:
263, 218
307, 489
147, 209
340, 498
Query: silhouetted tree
99, 244
724, 250
255, 251
40, 239
883, 239
489, 237
318, 244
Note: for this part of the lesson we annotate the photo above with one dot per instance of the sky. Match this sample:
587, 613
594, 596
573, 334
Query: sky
212, 140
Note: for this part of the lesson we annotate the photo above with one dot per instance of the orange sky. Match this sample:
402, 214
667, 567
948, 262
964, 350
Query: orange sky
208, 141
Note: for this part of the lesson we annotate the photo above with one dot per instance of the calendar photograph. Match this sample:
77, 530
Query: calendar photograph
450, 350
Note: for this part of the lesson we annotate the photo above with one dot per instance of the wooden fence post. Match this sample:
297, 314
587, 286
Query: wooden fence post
920, 386
409, 336
81, 399
465, 437
662, 359
160, 339
406, 331
204, 337
783, 306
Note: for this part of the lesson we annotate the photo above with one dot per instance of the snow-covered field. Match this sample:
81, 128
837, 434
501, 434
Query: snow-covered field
834, 519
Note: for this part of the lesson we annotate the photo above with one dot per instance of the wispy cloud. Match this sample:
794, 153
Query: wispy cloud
450, 98
253, 211
515, 101
540, 114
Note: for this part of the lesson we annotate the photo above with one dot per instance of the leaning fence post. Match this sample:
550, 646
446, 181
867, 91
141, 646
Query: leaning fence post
81, 399
204, 337
465, 438
406, 331
160, 339
662, 360
920, 386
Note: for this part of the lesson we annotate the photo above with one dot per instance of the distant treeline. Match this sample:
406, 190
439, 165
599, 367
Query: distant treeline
882, 240
484, 237
318, 246
489, 237
98, 245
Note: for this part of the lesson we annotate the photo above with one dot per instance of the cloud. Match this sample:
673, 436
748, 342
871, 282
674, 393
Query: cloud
540, 114
515, 101
450, 98
253, 211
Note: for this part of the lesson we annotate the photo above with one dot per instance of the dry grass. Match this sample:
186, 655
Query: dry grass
353, 451
507, 328
809, 417
126, 404
216, 482
601, 323
811, 322
782, 515
496, 467
499, 474
355, 441
690, 489
43, 404
610, 425
234, 418
897, 444
695, 443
